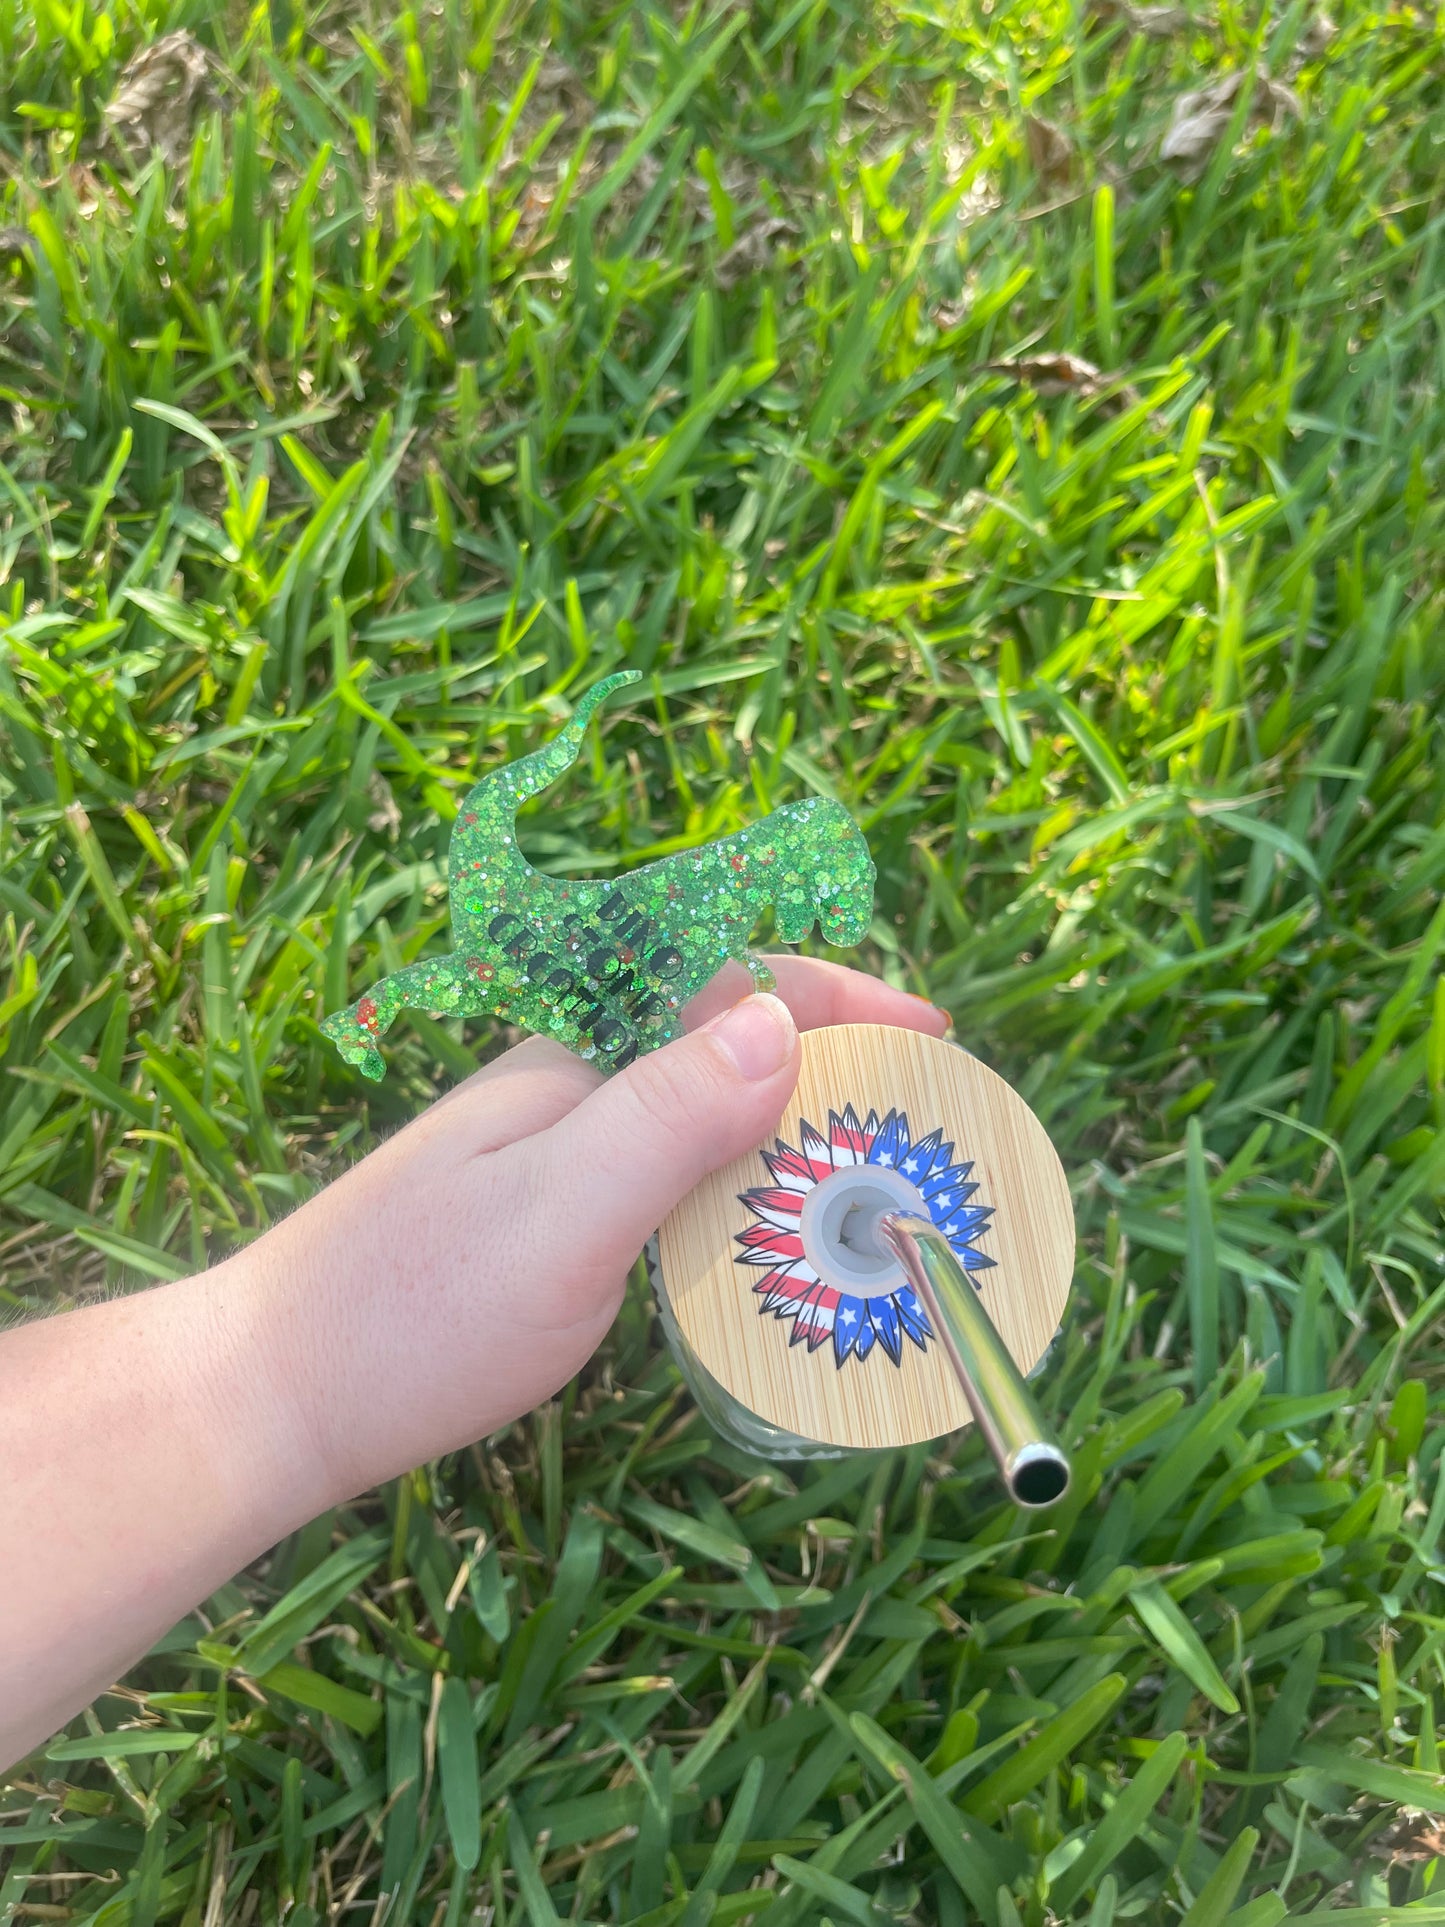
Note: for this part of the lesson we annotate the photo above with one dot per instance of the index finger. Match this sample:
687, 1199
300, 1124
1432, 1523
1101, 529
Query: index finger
534, 1084
819, 992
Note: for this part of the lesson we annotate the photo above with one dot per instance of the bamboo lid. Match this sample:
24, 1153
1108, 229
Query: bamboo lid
828, 1342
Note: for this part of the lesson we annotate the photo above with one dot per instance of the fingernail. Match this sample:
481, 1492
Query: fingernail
758, 1035
937, 1009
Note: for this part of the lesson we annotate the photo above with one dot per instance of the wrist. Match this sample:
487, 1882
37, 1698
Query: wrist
252, 1403
393, 1333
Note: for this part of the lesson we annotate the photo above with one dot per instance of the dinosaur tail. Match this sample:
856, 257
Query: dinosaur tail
529, 774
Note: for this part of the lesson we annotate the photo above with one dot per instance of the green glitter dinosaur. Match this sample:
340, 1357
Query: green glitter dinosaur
606, 966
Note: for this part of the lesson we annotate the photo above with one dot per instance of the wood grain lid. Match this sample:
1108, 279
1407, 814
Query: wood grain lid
825, 1340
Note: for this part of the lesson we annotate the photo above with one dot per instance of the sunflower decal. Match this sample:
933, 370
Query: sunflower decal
791, 1286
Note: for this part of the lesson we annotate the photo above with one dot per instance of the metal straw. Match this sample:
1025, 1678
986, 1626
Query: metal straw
1032, 1463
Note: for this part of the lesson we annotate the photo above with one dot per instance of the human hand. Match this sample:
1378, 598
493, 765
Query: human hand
469, 1266
460, 1273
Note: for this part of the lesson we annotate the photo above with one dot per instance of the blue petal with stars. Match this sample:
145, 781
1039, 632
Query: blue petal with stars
951, 1177
888, 1326
919, 1162
944, 1203
890, 1147
913, 1319
850, 1316
967, 1222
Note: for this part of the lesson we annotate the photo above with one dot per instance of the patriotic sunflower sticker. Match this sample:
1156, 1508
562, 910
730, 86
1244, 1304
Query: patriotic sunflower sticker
791, 1286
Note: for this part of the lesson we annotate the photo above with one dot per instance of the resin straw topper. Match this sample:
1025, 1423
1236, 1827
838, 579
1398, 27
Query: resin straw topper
606, 966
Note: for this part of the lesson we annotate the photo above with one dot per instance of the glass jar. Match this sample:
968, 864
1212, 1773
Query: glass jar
733, 1422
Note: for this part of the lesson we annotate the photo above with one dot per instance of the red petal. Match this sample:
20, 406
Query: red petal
790, 1203
770, 1280
846, 1134
767, 1237
786, 1162
817, 1150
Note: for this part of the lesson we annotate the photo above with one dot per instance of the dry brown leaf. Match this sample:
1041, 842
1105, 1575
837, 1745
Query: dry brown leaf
151, 106
386, 816
1052, 153
754, 249
1278, 100
1155, 23
87, 187
1414, 1838
1052, 374
1065, 374
1201, 117
1317, 36
1159, 23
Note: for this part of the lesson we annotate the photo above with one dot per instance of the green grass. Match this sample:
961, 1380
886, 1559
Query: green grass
467, 352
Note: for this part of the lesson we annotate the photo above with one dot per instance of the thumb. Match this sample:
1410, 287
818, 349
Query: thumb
639, 1143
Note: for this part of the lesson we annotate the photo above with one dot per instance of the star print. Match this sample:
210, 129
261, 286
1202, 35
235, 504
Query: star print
792, 1289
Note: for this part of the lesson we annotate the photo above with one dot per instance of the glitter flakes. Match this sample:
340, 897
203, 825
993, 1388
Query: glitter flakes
606, 966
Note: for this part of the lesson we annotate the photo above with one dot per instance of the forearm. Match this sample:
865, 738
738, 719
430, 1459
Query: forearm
145, 1457
152, 1446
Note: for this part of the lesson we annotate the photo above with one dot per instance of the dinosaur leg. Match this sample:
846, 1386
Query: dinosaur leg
437, 984
760, 971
